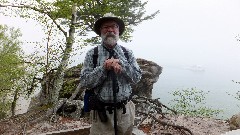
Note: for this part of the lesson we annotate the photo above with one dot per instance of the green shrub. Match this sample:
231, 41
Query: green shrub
235, 95
191, 102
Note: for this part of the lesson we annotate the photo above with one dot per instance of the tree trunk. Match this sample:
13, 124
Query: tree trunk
14, 102
59, 76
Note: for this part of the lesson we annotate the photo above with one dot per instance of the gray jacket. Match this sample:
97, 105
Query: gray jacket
99, 79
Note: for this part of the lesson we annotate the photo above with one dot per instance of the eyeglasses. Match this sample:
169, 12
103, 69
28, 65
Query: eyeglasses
106, 27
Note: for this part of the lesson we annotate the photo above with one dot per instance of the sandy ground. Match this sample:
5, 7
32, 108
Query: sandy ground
197, 125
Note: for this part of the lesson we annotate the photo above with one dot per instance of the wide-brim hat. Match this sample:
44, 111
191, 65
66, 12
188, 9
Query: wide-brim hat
100, 21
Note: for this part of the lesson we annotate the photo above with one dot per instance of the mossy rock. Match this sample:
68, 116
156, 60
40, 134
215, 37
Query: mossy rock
71, 81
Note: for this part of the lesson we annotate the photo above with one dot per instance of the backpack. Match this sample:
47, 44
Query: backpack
90, 92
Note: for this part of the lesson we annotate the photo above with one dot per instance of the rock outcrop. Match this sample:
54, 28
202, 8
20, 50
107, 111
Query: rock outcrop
234, 122
150, 75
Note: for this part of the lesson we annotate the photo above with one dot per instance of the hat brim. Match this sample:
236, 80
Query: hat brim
100, 21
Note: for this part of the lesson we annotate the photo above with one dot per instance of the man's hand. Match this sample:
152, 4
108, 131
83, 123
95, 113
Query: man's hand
113, 64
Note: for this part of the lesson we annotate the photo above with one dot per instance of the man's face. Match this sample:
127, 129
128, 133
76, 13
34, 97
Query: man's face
110, 32
109, 26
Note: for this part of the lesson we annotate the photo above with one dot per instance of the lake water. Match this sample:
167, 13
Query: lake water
218, 85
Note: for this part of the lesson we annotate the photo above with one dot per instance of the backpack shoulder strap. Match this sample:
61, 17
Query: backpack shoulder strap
95, 56
125, 52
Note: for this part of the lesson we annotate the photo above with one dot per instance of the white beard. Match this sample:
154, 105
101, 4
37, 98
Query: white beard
110, 39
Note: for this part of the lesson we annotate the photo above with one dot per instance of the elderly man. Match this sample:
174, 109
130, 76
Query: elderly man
112, 64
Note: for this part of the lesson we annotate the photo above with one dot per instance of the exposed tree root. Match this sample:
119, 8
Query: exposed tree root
154, 107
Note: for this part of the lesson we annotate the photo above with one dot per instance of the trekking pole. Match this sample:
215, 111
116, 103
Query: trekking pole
114, 85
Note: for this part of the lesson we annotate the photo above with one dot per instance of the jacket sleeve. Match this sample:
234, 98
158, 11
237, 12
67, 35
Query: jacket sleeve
91, 77
130, 68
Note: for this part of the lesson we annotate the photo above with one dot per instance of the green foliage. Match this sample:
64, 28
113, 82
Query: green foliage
131, 11
70, 82
11, 66
88, 11
68, 88
237, 94
11, 63
191, 102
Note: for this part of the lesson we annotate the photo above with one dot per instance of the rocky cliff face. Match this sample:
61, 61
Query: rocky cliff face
150, 75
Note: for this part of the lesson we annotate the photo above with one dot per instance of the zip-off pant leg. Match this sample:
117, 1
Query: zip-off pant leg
124, 121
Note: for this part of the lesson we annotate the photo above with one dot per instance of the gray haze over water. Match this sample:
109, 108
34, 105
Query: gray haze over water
195, 41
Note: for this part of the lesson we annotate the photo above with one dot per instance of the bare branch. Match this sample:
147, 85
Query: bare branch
40, 11
156, 105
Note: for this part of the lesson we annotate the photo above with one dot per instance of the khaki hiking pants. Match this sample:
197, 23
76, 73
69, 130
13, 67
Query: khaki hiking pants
124, 122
